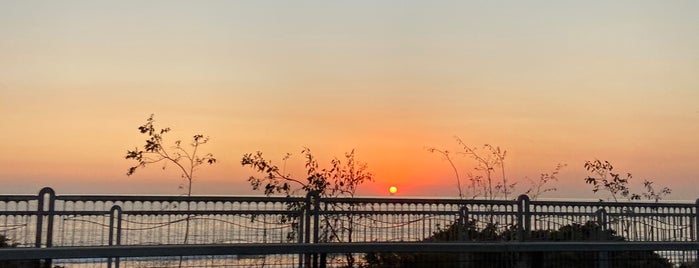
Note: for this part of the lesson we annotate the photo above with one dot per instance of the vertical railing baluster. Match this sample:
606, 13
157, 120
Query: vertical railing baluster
311, 209
300, 232
110, 240
117, 261
463, 234
524, 226
315, 202
696, 225
602, 256
48, 213
114, 232
49, 220
39, 217
463, 224
307, 230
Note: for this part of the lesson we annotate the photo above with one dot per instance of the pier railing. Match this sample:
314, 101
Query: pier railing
48, 220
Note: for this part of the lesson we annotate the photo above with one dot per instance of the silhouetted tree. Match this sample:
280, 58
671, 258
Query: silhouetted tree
469, 231
487, 164
6, 242
185, 161
490, 180
340, 179
604, 178
154, 152
541, 186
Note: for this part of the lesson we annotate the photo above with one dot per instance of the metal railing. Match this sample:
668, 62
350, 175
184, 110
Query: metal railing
455, 254
48, 220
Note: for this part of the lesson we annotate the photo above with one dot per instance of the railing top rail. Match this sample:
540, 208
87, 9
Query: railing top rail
353, 200
155, 198
369, 200
612, 204
210, 212
389, 212
16, 198
339, 200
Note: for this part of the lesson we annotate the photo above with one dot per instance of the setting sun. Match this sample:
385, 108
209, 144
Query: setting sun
392, 190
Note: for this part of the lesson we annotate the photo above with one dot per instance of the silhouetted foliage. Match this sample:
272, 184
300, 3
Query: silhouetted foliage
6, 242
603, 178
340, 179
694, 264
541, 186
484, 182
489, 179
187, 162
469, 231
154, 152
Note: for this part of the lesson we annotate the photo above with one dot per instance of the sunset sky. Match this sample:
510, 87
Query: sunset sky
549, 81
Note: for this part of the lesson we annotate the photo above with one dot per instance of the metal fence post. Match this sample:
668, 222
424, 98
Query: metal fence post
39, 217
524, 259
40, 213
114, 232
307, 231
602, 220
696, 225
311, 209
524, 224
602, 256
315, 207
301, 232
462, 231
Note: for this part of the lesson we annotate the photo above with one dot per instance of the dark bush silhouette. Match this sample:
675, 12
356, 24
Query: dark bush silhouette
469, 231
694, 264
6, 242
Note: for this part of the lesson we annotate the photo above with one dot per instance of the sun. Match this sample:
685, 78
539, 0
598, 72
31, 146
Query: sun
392, 190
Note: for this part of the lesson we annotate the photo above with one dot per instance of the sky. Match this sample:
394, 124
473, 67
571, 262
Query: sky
549, 81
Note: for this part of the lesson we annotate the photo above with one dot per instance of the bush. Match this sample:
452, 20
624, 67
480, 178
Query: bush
6, 242
590, 231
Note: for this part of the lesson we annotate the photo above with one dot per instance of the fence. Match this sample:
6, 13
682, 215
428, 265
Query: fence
53, 221
550, 254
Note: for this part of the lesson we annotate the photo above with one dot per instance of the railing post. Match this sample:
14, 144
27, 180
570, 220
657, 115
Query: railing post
114, 232
524, 259
39, 217
462, 231
463, 235
40, 213
524, 225
311, 208
316, 225
301, 232
602, 220
602, 256
307, 230
696, 225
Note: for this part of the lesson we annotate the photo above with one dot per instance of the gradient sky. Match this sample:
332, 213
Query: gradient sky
550, 81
